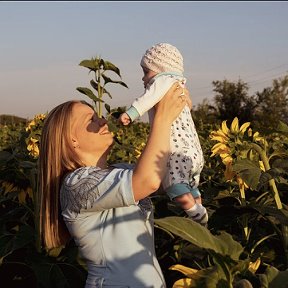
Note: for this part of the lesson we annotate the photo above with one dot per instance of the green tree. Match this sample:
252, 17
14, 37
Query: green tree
272, 105
204, 113
232, 100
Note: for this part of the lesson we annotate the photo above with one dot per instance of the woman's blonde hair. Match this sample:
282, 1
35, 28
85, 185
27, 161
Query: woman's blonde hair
57, 157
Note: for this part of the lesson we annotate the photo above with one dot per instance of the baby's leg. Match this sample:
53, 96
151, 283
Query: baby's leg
198, 200
193, 207
186, 201
198, 213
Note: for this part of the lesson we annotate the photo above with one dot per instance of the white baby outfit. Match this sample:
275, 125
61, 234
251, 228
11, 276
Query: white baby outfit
186, 160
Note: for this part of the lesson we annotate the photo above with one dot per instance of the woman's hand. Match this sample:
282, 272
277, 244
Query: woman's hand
171, 105
189, 101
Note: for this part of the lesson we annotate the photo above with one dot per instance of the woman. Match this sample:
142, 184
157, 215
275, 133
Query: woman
105, 209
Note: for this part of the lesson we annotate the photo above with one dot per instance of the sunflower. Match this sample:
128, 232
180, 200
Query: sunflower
33, 147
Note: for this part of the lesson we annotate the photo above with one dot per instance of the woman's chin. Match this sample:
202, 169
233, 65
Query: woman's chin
111, 144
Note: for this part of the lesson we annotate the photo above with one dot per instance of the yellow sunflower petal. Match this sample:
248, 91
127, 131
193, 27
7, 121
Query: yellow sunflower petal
184, 283
22, 196
244, 127
261, 165
30, 192
33, 140
29, 147
219, 148
187, 271
256, 134
8, 187
224, 128
35, 151
235, 126
219, 132
253, 266
219, 139
219, 145
227, 160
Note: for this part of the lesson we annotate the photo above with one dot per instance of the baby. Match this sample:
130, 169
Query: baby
162, 65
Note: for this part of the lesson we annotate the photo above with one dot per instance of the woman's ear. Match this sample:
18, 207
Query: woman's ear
75, 143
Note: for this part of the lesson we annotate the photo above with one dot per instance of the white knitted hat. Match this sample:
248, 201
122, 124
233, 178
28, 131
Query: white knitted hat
163, 57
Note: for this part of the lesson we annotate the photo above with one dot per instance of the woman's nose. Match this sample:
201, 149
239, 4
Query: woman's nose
103, 121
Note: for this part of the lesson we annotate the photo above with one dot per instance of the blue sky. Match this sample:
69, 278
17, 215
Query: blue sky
42, 44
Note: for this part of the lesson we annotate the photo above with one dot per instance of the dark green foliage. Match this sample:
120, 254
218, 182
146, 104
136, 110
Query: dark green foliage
11, 120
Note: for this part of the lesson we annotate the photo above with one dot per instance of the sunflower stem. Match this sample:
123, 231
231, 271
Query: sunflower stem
267, 167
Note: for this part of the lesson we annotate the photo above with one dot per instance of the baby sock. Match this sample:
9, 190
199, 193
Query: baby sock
198, 213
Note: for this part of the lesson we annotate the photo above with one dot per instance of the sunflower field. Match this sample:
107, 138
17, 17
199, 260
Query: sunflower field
244, 186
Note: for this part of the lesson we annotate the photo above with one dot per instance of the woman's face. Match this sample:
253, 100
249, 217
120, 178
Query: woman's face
89, 132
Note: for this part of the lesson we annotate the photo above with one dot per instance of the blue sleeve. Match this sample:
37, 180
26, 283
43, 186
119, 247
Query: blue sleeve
95, 189
132, 113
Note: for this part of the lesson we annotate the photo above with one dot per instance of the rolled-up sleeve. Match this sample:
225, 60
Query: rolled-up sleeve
115, 190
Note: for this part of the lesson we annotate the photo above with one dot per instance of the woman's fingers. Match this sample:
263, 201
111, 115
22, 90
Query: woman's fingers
173, 102
185, 96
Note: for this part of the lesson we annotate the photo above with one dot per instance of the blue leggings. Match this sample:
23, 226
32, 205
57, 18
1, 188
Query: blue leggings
180, 189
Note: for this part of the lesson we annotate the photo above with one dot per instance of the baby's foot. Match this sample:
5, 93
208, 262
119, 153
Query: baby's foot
198, 213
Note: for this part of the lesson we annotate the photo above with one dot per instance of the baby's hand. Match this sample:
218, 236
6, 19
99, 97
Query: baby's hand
124, 119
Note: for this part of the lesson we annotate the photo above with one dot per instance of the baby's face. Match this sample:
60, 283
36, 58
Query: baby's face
148, 75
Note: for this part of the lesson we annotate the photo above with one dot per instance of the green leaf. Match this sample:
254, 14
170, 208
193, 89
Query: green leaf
93, 64
89, 93
248, 171
6, 245
27, 164
107, 107
17, 274
283, 128
57, 277
200, 236
24, 236
280, 214
55, 252
94, 84
116, 114
5, 157
280, 163
273, 173
102, 89
42, 272
109, 80
109, 66
73, 275
263, 180
106, 92
50, 275
274, 278
13, 242
209, 278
